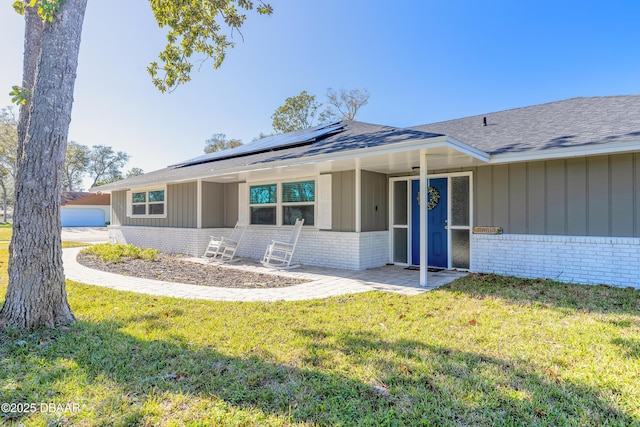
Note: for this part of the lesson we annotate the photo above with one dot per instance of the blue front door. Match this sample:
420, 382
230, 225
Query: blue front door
437, 238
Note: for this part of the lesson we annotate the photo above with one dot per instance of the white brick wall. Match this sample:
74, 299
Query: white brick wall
591, 260
190, 241
352, 251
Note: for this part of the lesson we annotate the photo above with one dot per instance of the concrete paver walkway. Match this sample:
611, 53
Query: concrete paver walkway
324, 282
85, 234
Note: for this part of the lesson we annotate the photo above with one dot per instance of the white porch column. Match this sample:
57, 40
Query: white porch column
199, 203
358, 197
423, 219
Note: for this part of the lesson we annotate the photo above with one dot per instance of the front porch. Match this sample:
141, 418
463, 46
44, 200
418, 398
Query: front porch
356, 216
323, 282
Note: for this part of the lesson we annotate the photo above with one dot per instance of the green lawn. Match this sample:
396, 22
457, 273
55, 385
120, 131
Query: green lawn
485, 350
5, 231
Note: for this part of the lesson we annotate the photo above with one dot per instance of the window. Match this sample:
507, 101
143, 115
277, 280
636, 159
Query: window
297, 200
262, 202
147, 203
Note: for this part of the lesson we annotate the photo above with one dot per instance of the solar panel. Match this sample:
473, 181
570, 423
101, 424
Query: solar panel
270, 143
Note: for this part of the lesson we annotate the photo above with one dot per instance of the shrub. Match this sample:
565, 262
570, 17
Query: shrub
110, 252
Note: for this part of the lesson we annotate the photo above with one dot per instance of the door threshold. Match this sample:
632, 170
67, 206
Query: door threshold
430, 269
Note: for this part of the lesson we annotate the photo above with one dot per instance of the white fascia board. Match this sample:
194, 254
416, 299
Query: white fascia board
468, 150
558, 153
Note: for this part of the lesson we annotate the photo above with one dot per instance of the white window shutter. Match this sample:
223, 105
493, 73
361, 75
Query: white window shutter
323, 218
243, 203
129, 209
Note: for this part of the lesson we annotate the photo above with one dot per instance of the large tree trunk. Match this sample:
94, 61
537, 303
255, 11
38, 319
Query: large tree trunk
36, 295
32, 49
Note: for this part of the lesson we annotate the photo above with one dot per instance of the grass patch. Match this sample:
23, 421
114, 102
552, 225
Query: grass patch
110, 252
74, 244
6, 229
485, 350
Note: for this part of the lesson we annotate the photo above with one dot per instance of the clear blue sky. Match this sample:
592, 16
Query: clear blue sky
423, 61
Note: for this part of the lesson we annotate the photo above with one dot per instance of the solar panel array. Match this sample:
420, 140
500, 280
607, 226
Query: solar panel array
270, 143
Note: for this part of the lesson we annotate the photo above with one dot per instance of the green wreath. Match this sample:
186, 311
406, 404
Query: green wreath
434, 198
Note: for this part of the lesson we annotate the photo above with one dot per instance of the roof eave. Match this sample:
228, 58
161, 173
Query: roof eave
566, 152
467, 149
398, 147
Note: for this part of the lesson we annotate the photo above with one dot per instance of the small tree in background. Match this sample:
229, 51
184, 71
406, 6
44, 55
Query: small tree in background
134, 172
76, 162
344, 105
100, 162
298, 112
262, 135
105, 164
219, 142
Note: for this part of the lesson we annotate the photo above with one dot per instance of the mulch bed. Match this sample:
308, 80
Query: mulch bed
172, 269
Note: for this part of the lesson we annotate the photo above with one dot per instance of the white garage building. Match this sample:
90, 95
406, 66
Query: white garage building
80, 209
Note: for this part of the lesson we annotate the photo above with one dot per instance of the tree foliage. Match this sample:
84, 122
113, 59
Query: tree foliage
200, 27
134, 172
76, 162
8, 140
219, 142
8, 149
262, 135
105, 164
344, 105
298, 112
101, 163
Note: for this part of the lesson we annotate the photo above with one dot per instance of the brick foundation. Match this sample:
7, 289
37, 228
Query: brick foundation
351, 251
577, 259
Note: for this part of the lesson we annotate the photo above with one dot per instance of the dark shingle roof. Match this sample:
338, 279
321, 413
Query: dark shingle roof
569, 123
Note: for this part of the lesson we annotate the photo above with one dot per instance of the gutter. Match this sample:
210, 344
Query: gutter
566, 152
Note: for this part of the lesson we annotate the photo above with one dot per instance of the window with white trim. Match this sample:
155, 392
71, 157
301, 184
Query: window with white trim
282, 203
298, 201
147, 203
263, 203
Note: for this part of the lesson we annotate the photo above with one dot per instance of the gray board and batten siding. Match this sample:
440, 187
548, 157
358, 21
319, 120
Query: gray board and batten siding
343, 201
374, 197
580, 196
374, 201
219, 205
181, 206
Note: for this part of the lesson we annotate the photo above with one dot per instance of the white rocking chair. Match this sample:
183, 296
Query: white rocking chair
223, 249
279, 254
